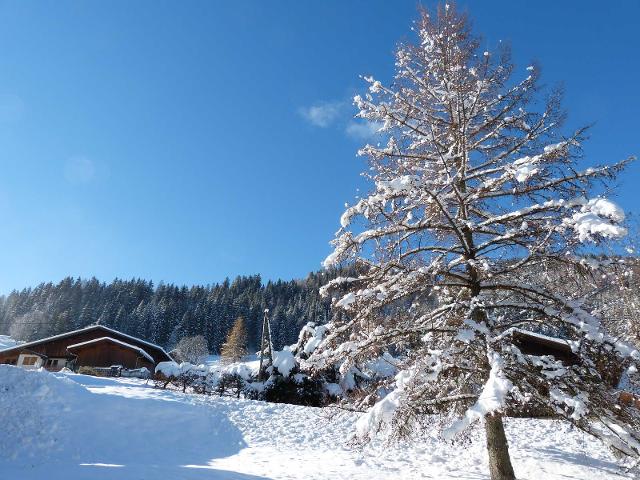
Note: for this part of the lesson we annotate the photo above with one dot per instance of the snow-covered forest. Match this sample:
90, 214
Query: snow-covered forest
166, 313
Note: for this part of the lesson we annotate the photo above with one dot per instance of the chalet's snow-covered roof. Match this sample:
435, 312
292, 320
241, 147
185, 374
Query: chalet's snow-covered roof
527, 333
80, 330
113, 340
153, 345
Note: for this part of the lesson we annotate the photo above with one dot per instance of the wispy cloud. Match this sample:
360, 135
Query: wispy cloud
79, 170
322, 114
363, 130
340, 114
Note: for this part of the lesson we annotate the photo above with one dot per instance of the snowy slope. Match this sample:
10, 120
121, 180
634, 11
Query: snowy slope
61, 426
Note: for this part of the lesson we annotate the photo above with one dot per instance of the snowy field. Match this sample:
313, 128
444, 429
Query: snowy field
62, 426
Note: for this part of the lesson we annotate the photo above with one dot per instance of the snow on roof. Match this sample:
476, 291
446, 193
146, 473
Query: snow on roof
110, 339
90, 327
135, 338
559, 341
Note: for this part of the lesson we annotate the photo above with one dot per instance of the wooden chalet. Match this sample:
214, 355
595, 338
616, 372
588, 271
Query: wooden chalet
533, 343
93, 346
537, 344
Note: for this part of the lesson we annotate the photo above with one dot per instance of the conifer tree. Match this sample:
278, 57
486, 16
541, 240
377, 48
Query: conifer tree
475, 191
235, 346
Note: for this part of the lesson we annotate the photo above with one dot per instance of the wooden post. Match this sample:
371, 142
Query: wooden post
265, 346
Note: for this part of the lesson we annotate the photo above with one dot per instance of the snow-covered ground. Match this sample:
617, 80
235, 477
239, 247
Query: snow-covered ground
252, 361
61, 426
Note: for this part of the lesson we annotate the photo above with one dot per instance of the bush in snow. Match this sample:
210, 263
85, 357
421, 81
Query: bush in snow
286, 383
182, 376
284, 363
230, 384
474, 192
298, 389
355, 382
309, 338
228, 380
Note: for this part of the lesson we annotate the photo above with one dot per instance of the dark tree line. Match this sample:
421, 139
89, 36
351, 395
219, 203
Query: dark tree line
167, 313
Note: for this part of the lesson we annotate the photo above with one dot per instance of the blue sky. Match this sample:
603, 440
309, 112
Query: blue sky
190, 141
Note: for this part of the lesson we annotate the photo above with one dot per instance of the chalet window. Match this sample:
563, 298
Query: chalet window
29, 360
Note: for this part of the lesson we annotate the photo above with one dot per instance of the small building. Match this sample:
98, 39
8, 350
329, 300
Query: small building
532, 343
616, 375
92, 346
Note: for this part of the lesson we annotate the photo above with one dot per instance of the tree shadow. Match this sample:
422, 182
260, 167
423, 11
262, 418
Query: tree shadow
582, 459
123, 472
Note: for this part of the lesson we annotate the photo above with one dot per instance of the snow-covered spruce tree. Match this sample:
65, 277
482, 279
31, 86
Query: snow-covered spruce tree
473, 189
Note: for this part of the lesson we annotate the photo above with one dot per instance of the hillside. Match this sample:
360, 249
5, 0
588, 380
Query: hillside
166, 313
73, 426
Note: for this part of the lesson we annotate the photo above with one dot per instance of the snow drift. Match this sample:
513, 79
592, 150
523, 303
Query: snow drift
47, 418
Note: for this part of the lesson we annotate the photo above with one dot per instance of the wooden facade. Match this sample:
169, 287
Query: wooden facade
104, 353
90, 347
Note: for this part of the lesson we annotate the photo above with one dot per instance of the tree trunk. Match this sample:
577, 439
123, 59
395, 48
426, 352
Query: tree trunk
499, 460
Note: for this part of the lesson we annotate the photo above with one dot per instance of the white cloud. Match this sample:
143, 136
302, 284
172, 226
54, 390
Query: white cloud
322, 114
363, 130
325, 114
79, 170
